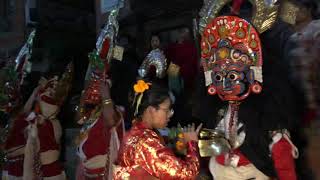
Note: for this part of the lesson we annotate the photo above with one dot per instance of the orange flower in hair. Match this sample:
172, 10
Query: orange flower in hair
141, 86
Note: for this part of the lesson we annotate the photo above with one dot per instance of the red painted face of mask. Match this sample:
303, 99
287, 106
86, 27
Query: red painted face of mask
231, 53
230, 80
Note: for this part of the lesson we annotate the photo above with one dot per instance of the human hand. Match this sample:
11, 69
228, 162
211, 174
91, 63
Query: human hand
190, 133
105, 90
42, 82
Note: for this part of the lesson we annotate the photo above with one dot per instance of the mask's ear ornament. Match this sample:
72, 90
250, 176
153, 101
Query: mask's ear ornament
212, 90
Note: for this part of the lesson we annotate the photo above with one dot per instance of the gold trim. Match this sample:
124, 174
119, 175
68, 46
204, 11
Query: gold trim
263, 16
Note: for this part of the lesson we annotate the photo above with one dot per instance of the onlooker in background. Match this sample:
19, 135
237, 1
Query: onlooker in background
184, 54
155, 42
308, 11
154, 65
303, 52
303, 57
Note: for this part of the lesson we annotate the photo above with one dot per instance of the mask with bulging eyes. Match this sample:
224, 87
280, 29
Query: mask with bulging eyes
232, 58
232, 80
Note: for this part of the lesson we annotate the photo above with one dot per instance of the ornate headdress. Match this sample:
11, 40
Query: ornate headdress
157, 59
264, 14
231, 56
13, 74
55, 91
99, 65
106, 39
22, 60
230, 44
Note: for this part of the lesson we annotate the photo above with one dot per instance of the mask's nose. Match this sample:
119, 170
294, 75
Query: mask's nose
227, 85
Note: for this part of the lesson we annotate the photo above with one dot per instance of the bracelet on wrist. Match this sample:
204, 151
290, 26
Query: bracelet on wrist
107, 101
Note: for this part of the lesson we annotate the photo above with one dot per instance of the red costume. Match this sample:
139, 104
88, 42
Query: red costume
44, 131
143, 155
14, 147
49, 134
98, 143
12, 76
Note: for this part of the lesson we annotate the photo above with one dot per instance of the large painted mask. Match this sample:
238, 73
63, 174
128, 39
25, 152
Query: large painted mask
232, 58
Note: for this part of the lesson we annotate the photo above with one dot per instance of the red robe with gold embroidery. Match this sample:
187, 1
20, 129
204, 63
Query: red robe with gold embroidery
143, 156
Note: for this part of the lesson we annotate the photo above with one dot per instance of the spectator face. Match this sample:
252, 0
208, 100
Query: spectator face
155, 42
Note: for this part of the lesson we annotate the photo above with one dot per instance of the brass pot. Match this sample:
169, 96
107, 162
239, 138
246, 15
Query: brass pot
212, 143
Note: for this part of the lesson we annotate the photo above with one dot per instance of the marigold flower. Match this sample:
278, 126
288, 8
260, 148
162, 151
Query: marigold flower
181, 135
180, 145
141, 86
